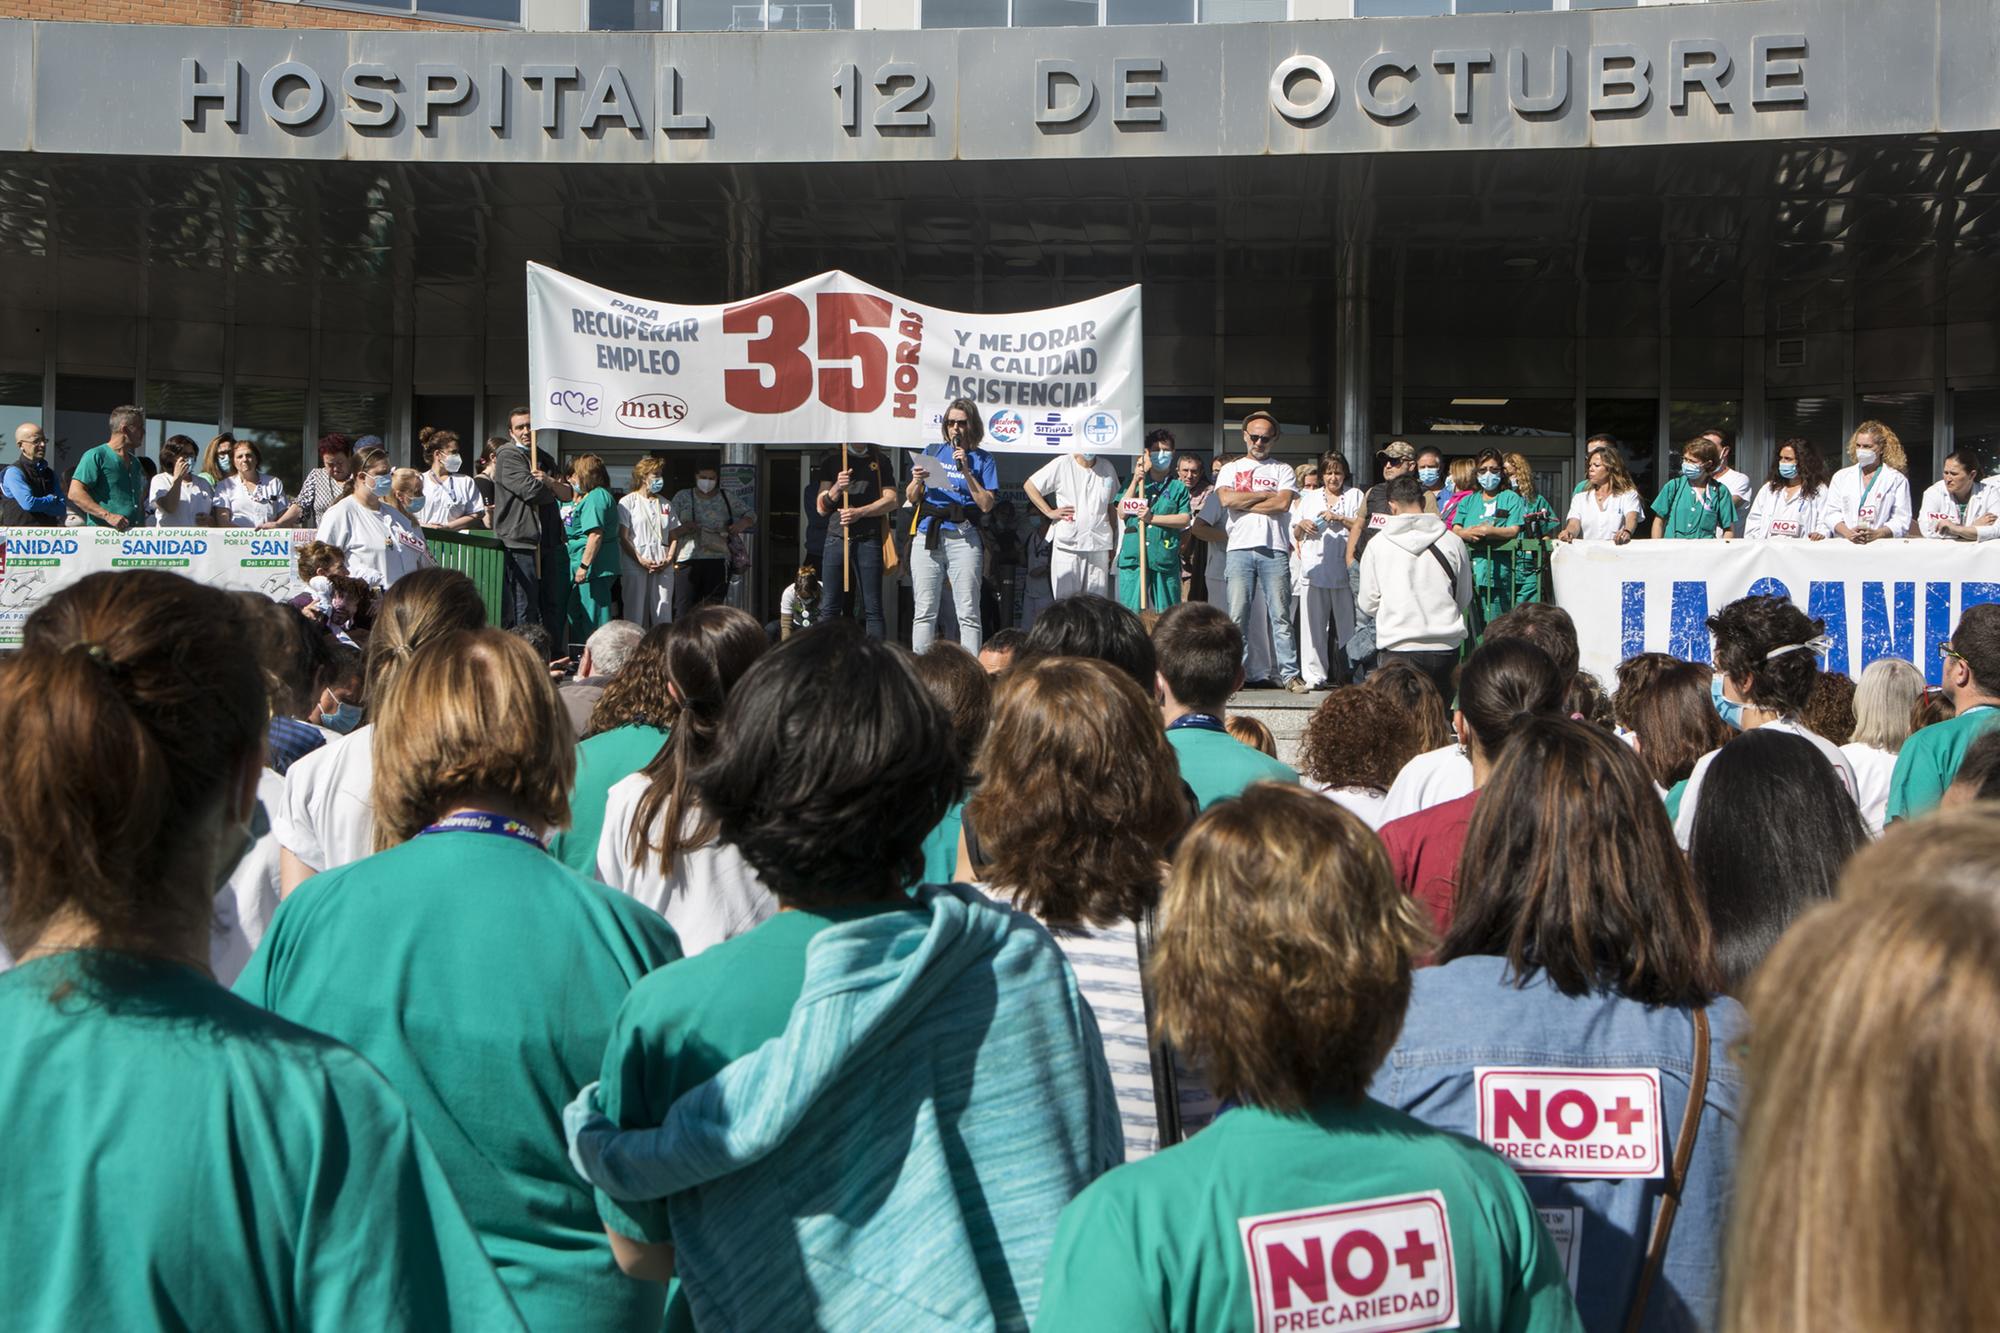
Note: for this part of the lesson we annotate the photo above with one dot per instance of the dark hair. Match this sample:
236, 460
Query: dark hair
1416, 694
1499, 460
1965, 458
1599, 438
1405, 490
1154, 438
637, 695
1976, 641
708, 652
1724, 437
1666, 703
513, 412
1359, 736
1570, 869
334, 443
129, 711
1502, 685
1829, 712
537, 636
1812, 476
1772, 830
178, 446
1432, 450
290, 651
832, 766
1545, 625
957, 681
1008, 640
1096, 627
975, 429
432, 441
1749, 630
1201, 654
1980, 769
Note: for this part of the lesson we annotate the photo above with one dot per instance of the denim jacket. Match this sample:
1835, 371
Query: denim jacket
1467, 1016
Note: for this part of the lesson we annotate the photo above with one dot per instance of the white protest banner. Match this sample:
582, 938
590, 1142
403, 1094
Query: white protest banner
829, 360
1885, 599
36, 563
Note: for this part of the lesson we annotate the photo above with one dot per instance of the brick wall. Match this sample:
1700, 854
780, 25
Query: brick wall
215, 13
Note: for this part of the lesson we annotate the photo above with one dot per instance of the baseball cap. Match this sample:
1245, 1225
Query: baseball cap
1400, 451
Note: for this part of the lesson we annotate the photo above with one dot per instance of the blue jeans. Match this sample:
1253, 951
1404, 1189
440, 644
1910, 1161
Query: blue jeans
865, 558
522, 585
957, 557
1260, 566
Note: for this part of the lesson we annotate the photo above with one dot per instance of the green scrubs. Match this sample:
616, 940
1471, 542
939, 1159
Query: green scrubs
1531, 548
1929, 760
602, 762
481, 976
682, 1025
1492, 561
1339, 1234
1163, 550
115, 483
1218, 766
1692, 515
941, 847
590, 600
178, 1159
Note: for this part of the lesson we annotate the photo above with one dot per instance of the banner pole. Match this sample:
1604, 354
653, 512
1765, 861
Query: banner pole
1136, 491
846, 533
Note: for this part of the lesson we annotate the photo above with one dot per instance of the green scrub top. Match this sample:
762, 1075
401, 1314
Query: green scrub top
1492, 561
179, 1159
1929, 761
602, 762
595, 512
1688, 517
941, 847
1162, 1243
682, 1025
1163, 545
481, 976
1218, 766
116, 484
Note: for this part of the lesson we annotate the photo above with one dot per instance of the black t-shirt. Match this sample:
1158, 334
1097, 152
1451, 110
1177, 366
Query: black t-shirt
872, 473
1374, 501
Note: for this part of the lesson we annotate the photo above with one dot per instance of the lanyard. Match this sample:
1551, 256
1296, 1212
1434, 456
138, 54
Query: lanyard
483, 821
1867, 490
1198, 721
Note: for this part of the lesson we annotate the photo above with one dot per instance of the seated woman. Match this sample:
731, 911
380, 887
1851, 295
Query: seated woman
224, 1169
865, 1113
478, 973
1283, 967
1572, 1024
1960, 507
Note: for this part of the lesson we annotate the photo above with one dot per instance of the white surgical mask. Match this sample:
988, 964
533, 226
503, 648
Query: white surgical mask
704, 484
452, 463
1866, 457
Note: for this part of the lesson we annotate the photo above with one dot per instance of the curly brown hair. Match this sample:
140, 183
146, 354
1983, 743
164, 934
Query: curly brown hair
1359, 737
1079, 795
637, 696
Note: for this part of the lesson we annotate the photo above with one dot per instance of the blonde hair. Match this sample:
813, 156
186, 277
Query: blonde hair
424, 604
644, 471
1892, 445
1885, 703
1519, 465
1614, 467
587, 474
1285, 948
1864, 1190
401, 482
1464, 473
477, 717
1252, 733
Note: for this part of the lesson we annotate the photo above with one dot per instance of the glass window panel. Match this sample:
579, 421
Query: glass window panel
1244, 11
1602, 4
177, 408
440, 411
1912, 417
487, 11
353, 413
1814, 420
627, 15
705, 15
1689, 417
1055, 13
1480, 415
1502, 6
964, 14
1975, 425
20, 402
1390, 9
1149, 11
813, 16
275, 420
83, 405
1634, 423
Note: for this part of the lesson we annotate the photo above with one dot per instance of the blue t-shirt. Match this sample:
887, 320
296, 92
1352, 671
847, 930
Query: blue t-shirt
946, 484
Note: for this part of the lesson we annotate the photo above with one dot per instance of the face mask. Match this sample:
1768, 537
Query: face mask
452, 463
1729, 711
222, 462
1427, 475
520, 444
344, 718
704, 484
1692, 471
1087, 459
383, 481
1866, 457
1163, 461
655, 485
1788, 470
1489, 481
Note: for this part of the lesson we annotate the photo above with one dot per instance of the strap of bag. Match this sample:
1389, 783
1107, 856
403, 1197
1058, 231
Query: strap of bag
1670, 1202
1450, 578
1166, 1084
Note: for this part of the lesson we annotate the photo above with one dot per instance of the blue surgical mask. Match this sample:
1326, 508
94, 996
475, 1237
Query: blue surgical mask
1692, 471
222, 463
1489, 481
1726, 709
1163, 461
1086, 459
1788, 470
655, 485
344, 718
383, 481
1427, 475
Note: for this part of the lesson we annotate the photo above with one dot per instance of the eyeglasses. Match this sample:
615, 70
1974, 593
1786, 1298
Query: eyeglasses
956, 425
1945, 650
1258, 439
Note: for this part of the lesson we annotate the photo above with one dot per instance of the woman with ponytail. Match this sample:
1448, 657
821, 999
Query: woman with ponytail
658, 845
175, 1157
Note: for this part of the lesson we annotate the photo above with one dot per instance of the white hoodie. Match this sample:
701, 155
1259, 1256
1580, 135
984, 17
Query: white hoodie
1417, 606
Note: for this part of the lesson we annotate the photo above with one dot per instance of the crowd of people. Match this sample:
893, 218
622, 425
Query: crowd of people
362, 973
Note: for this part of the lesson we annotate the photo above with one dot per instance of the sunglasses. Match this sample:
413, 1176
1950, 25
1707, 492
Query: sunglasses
1258, 439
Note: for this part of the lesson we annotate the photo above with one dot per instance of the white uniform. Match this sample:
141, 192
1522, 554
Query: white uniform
382, 544
327, 817
710, 895
196, 503
1873, 769
649, 598
250, 505
1080, 547
1601, 521
1882, 501
1777, 514
1738, 487
1938, 507
1320, 582
1432, 778
448, 498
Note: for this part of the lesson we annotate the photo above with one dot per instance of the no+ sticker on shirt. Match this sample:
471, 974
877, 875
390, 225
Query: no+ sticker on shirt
1377, 1266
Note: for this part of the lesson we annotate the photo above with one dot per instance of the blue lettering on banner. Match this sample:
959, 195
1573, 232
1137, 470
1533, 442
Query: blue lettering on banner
1883, 635
1828, 602
1632, 620
1769, 587
164, 546
17, 545
1687, 624
279, 546
1937, 628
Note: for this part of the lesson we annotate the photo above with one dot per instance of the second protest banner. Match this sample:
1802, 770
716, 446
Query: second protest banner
832, 359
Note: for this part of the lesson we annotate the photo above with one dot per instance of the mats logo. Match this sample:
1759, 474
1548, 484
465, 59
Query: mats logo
652, 411
1005, 426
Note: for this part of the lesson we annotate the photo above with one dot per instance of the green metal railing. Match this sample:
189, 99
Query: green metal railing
477, 555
